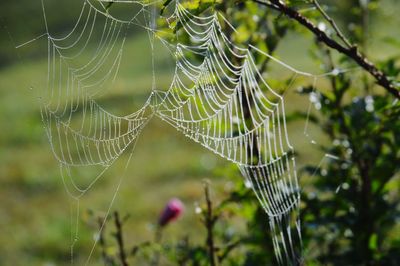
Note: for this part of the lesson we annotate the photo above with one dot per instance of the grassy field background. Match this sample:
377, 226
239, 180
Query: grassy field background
35, 211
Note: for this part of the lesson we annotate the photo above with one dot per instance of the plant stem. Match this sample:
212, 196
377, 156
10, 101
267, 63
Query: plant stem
209, 222
333, 24
157, 240
120, 241
106, 259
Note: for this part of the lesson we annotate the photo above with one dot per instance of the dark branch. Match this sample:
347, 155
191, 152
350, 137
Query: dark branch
210, 219
106, 259
352, 52
120, 241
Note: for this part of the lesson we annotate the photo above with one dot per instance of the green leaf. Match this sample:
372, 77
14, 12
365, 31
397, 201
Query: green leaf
373, 242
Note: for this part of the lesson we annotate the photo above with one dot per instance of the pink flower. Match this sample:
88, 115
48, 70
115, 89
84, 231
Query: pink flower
172, 211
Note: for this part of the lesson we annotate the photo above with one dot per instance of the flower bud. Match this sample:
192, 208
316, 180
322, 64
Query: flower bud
172, 211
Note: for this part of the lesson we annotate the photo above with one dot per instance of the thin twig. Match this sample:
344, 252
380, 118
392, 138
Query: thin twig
227, 249
333, 24
120, 240
352, 52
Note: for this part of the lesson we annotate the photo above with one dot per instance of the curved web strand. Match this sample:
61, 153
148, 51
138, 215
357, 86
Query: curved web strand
82, 66
219, 99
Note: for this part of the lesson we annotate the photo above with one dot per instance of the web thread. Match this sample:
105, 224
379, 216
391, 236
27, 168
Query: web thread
218, 98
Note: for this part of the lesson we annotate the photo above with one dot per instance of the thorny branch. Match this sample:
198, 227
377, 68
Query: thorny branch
351, 51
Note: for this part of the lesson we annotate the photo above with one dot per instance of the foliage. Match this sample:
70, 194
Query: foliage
351, 208
332, 207
231, 246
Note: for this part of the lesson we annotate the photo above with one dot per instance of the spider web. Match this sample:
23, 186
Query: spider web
81, 132
232, 110
218, 98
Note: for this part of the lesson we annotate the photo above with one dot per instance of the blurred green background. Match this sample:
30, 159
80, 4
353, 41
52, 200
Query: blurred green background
35, 211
